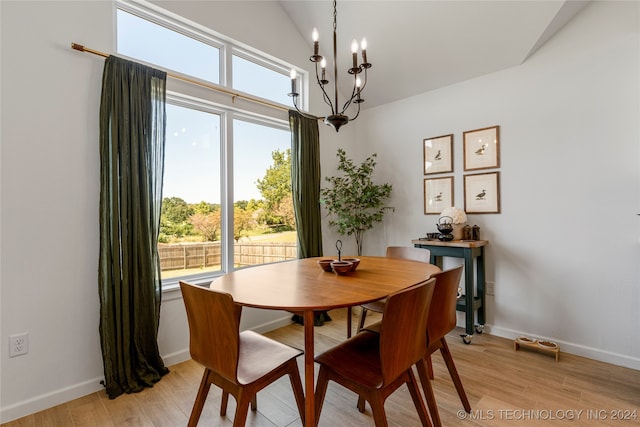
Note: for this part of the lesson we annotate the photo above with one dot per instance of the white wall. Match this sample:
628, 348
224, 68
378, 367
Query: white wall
565, 259
50, 189
564, 253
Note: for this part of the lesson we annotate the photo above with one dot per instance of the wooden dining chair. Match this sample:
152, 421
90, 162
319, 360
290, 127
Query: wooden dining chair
404, 252
442, 320
374, 365
240, 363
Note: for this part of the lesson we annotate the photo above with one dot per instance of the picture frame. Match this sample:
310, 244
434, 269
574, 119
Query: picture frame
481, 148
438, 154
438, 194
482, 193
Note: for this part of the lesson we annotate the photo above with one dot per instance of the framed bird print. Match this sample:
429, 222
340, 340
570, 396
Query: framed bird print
482, 193
481, 148
438, 194
438, 154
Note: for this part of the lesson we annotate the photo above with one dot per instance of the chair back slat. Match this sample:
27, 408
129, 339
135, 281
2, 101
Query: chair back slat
404, 321
214, 322
442, 314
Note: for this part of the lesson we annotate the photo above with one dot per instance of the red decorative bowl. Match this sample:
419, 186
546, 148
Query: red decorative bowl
353, 261
341, 267
325, 264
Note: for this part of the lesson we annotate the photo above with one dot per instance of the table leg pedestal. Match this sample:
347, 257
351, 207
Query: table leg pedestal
309, 413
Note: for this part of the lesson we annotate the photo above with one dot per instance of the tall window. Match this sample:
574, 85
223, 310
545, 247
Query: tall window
214, 151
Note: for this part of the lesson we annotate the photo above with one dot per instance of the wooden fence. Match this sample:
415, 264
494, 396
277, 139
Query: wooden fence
183, 256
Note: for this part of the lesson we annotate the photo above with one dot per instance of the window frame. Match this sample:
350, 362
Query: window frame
226, 109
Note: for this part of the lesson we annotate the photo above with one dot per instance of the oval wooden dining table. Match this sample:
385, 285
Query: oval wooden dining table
301, 286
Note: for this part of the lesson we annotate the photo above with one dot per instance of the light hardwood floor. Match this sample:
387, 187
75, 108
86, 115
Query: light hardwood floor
505, 388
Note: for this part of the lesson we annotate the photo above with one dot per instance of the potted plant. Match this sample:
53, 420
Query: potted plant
354, 201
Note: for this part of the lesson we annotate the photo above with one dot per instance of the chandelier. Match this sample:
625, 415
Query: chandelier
337, 118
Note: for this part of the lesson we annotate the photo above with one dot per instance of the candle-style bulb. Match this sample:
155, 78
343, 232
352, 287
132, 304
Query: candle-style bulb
293, 82
323, 65
363, 46
358, 83
354, 53
316, 44
354, 46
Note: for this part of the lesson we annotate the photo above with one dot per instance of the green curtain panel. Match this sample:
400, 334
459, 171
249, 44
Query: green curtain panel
132, 135
305, 183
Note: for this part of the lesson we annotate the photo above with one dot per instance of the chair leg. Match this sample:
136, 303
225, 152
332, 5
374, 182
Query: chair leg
377, 408
296, 386
428, 391
242, 409
223, 403
254, 403
363, 315
321, 390
448, 360
417, 399
361, 403
429, 365
201, 397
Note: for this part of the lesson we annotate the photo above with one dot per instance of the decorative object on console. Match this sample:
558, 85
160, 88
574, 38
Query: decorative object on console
445, 227
337, 118
458, 219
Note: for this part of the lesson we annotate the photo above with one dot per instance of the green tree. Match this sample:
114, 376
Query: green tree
203, 207
275, 189
353, 200
175, 209
174, 219
207, 225
243, 220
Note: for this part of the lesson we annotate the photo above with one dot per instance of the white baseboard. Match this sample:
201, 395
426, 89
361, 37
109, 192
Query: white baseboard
274, 324
49, 400
572, 348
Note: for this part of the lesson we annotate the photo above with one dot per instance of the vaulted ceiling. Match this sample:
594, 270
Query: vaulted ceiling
418, 46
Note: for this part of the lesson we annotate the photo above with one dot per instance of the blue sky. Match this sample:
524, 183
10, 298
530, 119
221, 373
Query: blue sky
192, 154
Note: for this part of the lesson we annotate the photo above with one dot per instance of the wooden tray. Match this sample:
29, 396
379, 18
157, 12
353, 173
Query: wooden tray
547, 347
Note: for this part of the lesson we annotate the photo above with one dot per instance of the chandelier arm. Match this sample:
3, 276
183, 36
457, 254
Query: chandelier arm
354, 93
363, 81
325, 95
357, 113
302, 113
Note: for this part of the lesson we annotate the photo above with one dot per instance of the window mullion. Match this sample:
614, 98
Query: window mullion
226, 180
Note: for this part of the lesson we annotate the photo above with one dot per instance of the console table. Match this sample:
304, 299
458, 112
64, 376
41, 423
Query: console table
473, 299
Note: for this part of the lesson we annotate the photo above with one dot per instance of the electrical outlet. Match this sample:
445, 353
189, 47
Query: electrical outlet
18, 344
491, 288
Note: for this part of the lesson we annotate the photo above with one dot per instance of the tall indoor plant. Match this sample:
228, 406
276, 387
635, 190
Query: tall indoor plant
353, 200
